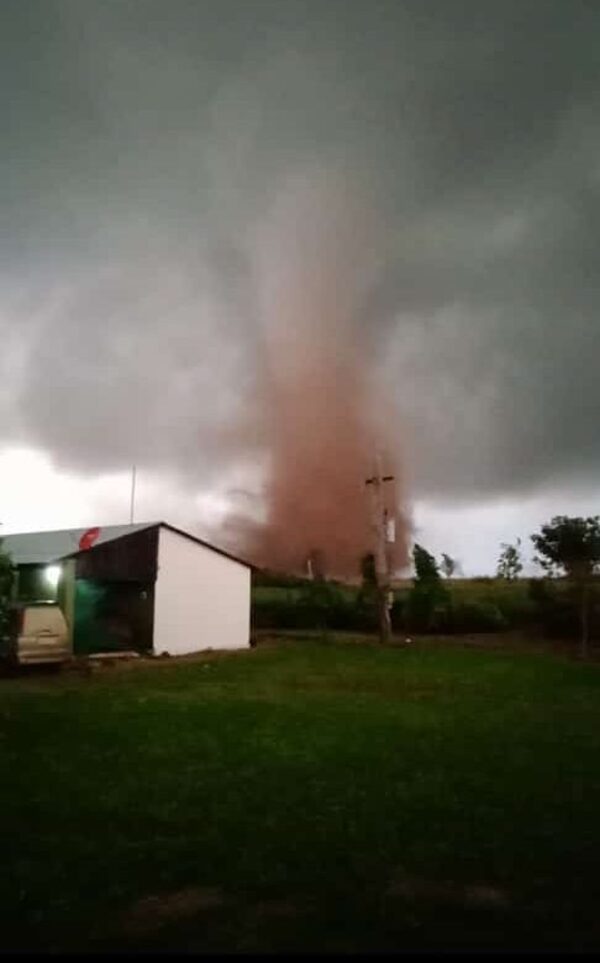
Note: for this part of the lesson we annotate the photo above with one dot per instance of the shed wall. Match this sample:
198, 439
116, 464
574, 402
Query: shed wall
202, 599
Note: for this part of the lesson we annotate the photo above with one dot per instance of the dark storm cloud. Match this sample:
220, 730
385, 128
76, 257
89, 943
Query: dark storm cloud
143, 143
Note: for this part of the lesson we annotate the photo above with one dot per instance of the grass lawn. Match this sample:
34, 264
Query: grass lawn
329, 797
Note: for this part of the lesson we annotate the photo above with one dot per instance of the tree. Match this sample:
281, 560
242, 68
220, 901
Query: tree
571, 546
368, 570
367, 597
428, 595
426, 570
510, 565
448, 565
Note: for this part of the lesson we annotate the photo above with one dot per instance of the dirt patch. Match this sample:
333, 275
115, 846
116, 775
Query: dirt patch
149, 914
280, 909
152, 912
475, 895
484, 895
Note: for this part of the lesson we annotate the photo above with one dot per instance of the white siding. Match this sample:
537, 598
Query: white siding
202, 599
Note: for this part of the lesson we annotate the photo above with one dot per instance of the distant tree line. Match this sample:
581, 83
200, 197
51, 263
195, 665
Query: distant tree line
563, 602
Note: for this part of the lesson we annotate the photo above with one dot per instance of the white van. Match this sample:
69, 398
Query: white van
37, 633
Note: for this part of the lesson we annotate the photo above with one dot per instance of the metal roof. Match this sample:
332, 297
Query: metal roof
37, 548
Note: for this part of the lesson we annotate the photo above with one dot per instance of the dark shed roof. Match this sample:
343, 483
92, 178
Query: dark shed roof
38, 548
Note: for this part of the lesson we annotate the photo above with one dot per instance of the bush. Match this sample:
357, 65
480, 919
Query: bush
322, 606
447, 617
398, 614
425, 609
538, 590
429, 598
428, 607
319, 605
471, 616
557, 609
517, 608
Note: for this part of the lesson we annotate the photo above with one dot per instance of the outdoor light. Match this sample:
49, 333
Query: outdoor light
52, 574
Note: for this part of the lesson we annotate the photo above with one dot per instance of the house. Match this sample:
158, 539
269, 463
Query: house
147, 587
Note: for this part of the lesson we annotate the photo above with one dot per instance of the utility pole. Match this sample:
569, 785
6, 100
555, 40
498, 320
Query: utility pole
381, 531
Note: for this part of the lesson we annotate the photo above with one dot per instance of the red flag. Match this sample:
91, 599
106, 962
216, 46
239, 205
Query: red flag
88, 538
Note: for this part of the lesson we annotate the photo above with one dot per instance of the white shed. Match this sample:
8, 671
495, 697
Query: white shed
200, 593
150, 587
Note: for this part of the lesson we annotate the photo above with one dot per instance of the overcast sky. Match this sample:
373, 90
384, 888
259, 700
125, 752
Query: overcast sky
142, 143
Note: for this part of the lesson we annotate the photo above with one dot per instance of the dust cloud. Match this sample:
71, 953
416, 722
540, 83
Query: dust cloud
314, 259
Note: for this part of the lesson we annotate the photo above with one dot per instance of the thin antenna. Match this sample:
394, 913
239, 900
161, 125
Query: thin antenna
133, 470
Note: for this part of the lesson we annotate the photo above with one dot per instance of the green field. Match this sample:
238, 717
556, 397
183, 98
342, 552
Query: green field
299, 796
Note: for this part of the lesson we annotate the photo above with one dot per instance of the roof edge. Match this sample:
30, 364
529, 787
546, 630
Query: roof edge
137, 528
